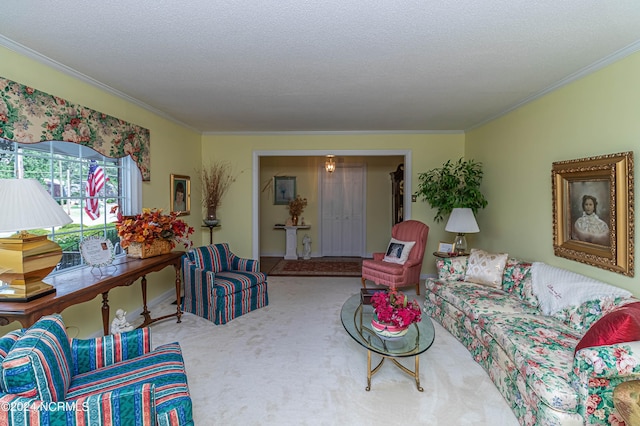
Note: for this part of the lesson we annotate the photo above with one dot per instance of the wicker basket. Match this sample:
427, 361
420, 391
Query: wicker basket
142, 251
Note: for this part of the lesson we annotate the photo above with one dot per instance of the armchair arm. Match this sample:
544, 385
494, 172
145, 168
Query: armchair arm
597, 371
91, 354
378, 256
135, 400
241, 264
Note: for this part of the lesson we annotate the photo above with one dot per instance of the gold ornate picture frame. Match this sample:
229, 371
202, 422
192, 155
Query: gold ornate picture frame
180, 196
593, 212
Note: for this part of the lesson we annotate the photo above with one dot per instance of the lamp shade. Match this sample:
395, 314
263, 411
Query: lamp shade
27, 205
462, 221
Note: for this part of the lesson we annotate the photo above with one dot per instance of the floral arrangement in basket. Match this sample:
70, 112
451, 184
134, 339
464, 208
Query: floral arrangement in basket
394, 308
152, 225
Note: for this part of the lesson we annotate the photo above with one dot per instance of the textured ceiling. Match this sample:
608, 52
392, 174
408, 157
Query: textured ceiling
325, 65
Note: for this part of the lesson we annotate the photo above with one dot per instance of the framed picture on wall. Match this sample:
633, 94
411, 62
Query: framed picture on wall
180, 195
284, 189
593, 211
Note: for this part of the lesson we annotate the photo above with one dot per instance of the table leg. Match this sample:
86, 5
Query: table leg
145, 310
178, 300
105, 313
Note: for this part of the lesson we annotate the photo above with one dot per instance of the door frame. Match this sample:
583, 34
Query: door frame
255, 190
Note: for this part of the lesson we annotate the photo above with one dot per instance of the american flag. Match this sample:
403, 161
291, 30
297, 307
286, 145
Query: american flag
95, 182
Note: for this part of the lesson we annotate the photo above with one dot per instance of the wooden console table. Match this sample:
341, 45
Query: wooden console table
84, 284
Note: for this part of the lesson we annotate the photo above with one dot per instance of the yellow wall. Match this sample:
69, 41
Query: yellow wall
428, 151
166, 137
596, 115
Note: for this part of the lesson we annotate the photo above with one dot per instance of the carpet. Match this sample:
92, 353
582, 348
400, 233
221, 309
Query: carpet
319, 267
292, 363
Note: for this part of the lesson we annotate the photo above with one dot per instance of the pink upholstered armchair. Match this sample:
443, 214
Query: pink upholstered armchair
396, 275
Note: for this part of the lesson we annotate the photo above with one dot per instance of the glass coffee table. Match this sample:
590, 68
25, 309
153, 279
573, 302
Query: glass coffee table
356, 319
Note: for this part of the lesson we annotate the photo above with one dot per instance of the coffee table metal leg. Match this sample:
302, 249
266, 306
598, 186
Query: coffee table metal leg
371, 372
415, 374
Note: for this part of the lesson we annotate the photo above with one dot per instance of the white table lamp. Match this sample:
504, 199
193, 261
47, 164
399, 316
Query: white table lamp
25, 259
462, 221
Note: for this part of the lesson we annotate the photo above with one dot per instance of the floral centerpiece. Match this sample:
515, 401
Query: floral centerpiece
150, 229
394, 313
296, 207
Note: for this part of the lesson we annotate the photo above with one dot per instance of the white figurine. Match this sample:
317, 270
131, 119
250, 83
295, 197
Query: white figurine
119, 323
306, 243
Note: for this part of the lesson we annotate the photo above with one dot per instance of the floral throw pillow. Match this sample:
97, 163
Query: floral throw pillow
517, 281
452, 268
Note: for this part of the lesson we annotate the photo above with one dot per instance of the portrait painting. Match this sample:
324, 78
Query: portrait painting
593, 211
180, 197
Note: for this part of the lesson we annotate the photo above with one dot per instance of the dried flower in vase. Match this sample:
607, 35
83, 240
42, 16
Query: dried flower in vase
297, 205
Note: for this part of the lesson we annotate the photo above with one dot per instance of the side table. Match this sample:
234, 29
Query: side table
291, 251
211, 227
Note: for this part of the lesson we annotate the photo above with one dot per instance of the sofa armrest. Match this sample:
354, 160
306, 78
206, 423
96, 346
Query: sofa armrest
91, 354
597, 371
138, 400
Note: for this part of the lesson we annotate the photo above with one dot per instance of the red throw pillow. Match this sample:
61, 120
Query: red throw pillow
618, 326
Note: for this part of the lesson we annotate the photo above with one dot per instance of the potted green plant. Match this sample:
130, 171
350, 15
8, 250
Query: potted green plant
454, 185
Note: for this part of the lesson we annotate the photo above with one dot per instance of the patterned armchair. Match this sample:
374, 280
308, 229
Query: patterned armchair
48, 379
220, 286
396, 275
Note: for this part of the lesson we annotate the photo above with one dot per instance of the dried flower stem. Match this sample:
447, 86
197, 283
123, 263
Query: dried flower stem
216, 180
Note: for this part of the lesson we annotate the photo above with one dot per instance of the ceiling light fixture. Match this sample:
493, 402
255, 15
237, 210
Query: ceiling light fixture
330, 165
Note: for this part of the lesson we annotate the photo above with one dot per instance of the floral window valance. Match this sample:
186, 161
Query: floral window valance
28, 115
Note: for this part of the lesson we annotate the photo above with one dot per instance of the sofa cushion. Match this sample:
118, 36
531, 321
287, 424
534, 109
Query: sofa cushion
486, 268
214, 258
233, 282
558, 288
517, 281
398, 251
541, 348
618, 326
39, 363
164, 367
452, 268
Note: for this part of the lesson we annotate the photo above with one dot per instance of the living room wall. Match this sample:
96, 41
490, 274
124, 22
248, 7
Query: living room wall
85, 319
596, 115
428, 150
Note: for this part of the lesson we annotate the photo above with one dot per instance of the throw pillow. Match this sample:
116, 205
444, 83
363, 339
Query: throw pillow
558, 288
618, 326
452, 268
486, 268
398, 251
38, 364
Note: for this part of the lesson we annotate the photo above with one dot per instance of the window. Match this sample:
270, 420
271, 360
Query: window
63, 167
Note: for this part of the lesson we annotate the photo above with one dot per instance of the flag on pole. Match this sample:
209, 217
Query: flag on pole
95, 182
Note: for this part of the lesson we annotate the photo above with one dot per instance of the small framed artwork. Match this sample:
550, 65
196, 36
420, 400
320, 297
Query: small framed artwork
445, 247
284, 189
97, 251
180, 197
593, 217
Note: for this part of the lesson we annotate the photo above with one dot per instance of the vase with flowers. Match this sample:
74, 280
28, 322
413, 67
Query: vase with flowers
216, 180
151, 233
296, 207
393, 313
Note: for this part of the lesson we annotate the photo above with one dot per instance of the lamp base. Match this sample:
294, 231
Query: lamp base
460, 245
24, 293
25, 260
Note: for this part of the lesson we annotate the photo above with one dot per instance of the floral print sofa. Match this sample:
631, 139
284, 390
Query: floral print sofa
528, 354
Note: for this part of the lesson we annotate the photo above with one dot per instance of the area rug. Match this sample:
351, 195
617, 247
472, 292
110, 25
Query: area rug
293, 364
319, 267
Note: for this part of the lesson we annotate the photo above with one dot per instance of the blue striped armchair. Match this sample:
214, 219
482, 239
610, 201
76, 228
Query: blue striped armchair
220, 286
48, 379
